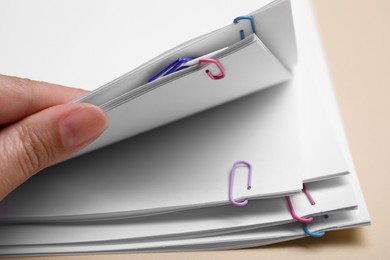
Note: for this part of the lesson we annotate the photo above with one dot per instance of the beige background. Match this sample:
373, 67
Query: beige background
356, 36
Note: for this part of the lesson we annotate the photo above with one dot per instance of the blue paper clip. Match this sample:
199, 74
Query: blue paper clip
312, 234
171, 68
162, 72
245, 17
242, 34
178, 66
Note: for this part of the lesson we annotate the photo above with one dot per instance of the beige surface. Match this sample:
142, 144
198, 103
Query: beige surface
356, 36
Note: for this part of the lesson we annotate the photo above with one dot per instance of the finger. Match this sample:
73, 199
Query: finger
46, 138
23, 97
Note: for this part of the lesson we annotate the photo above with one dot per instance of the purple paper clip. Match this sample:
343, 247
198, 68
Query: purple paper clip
233, 173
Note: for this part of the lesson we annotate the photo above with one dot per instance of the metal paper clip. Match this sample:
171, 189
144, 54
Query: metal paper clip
245, 17
233, 173
218, 64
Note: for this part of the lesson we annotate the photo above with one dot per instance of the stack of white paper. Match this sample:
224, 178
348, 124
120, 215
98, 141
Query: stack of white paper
167, 187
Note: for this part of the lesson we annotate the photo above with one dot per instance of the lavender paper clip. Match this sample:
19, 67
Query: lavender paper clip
233, 173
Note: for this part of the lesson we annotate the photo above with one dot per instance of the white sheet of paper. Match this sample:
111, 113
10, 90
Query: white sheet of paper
330, 196
90, 43
91, 176
249, 67
273, 23
183, 162
357, 217
309, 46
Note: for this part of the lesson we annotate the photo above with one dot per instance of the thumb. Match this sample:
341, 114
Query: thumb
45, 138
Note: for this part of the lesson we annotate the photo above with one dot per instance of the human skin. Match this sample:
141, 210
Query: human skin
39, 127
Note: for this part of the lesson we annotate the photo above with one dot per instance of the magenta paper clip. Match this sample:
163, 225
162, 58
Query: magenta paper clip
218, 64
294, 214
308, 195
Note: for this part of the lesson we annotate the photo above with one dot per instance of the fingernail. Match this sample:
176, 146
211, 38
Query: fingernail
82, 126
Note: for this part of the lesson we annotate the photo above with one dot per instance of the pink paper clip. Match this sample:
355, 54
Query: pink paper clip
294, 214
292, 211
218, 64
308, 195
305, 228
231, 198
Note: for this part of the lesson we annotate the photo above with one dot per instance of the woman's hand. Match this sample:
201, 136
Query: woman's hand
39, 127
